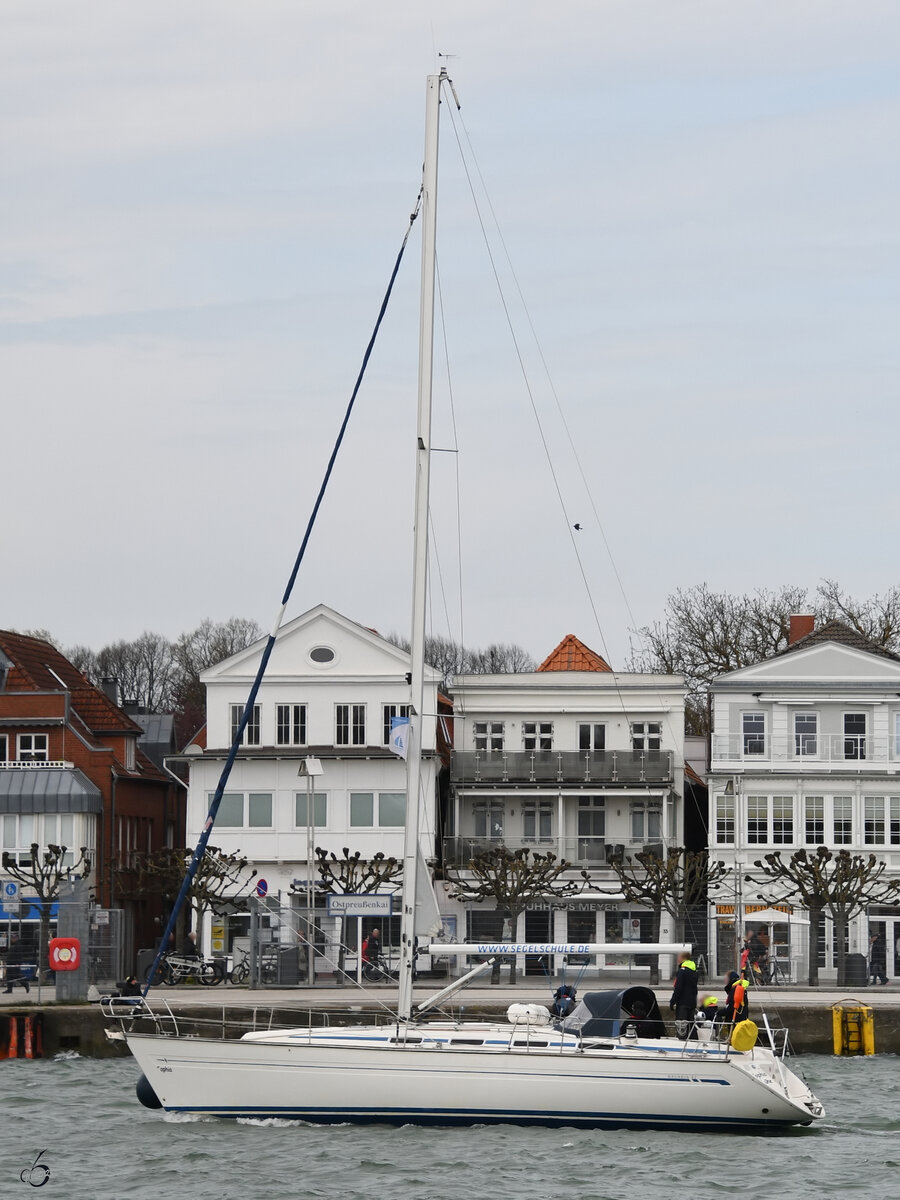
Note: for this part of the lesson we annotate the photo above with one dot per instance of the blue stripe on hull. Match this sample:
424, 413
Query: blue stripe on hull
408, 1116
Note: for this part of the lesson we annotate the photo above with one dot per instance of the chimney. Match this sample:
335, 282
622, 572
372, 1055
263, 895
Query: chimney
800, 627
110, 687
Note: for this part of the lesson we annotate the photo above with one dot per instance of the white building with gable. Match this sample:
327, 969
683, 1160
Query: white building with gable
806, 753
330, 691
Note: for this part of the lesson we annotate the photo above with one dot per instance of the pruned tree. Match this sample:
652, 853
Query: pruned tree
841, 884
514, 880
352, 875
221, 883
675, 882
43, 874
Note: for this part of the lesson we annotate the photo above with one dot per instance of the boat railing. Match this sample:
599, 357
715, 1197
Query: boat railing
221, 1022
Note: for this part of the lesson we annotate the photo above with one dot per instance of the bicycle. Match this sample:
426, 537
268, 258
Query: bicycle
377, 971
173, 968
240, 972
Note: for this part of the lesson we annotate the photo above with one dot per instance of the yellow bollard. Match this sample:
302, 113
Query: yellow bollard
853, 1027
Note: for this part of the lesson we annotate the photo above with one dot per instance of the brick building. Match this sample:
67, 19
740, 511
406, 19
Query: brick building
72, 773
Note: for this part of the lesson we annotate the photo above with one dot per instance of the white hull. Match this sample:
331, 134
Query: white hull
357, 1075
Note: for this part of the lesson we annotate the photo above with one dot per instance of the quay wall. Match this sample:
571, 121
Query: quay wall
81, 1028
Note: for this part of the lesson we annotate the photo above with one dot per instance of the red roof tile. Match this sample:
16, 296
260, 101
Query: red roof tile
39, 667
573, 655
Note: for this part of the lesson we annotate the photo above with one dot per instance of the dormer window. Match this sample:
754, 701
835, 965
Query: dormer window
129, 754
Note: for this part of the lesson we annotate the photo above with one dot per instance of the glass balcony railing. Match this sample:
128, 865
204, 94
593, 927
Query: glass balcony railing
572, 767
803, 748
584, 853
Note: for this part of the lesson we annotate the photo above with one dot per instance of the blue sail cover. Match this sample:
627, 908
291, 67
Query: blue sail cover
605, 1014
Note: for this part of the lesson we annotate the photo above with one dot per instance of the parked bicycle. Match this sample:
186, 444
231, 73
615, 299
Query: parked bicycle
268, 966
174, 968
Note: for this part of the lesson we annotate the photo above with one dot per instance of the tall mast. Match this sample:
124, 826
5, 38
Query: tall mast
420, 541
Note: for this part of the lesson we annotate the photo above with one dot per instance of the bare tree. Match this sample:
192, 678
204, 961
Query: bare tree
704, 633
514, 880
352, 875
842, 884
452, 658
877, 618
43, 874
677, 882
210, 643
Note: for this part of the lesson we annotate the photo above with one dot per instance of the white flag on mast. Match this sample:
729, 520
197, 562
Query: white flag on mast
399, 736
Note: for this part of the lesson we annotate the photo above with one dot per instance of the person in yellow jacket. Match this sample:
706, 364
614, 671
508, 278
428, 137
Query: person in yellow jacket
737, 1006
684, 994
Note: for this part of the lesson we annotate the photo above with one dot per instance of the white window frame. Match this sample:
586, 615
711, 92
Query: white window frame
537, 736
4, 748
753, 737
646, 818
806, 743
591, 733
33, 753
814, 817
846, 803
538, 815
251, 733
783, 829
290, 725
860, 739
491, 733
762, 814
246, 801
490, 818
725, 819
388, 712
646, 732
352, 718
319, 808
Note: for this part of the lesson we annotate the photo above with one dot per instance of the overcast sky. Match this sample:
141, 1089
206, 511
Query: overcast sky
200, 203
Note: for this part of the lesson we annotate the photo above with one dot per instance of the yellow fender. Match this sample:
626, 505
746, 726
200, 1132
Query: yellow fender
744, 1035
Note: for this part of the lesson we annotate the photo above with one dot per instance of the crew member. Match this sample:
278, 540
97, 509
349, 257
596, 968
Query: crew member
684, 994
736, 1006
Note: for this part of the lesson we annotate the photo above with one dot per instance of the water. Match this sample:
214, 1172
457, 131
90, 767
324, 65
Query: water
101, 1145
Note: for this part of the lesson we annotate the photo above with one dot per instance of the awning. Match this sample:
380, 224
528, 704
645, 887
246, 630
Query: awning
48, 790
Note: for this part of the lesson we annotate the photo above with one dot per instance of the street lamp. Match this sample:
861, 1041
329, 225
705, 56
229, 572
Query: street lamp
310, 769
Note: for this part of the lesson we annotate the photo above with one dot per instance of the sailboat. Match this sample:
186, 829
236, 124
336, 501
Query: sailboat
607, 1063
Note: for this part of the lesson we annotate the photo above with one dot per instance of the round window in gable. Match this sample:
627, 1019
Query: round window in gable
322, 656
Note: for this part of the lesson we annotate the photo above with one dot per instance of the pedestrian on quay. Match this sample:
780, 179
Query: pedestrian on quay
15, 956
877, 959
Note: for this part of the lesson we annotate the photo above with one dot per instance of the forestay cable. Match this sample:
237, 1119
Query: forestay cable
200, 849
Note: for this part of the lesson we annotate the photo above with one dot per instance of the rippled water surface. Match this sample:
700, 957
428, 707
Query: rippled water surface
101, 1145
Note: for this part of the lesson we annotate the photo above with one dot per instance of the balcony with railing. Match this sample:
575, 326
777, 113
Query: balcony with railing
584, 853
575, 768
802, 751
37, 764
